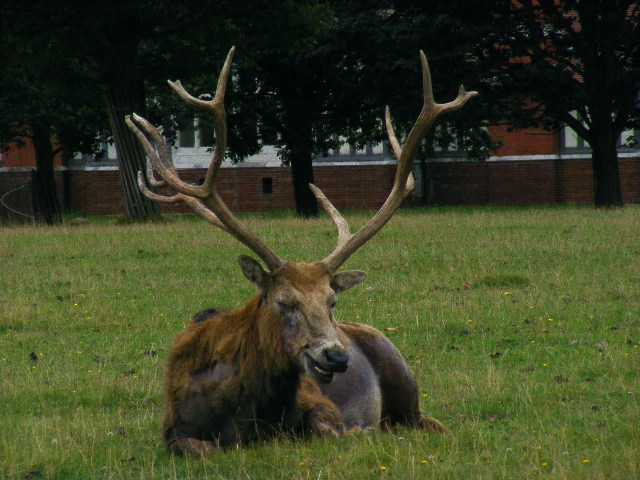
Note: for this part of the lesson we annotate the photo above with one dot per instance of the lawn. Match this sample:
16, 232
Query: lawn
521, 325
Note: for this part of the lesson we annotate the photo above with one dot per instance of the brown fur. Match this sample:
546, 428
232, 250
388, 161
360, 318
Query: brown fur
240, 376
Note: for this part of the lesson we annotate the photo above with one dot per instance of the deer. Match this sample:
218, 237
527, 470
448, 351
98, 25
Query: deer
282, 363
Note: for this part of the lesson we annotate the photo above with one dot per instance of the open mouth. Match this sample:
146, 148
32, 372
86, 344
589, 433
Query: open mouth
315, 370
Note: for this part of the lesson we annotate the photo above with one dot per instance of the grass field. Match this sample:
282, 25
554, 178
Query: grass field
522, 326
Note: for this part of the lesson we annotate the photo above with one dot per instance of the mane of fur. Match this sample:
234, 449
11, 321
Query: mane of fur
248, 338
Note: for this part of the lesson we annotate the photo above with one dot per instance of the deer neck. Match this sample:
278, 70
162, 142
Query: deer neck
261, 351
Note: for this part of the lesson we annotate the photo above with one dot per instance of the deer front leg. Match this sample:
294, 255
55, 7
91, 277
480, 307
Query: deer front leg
191, 447
318, 415
400, 397
431, 425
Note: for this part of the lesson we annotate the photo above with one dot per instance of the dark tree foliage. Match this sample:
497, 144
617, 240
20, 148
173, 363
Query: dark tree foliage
281, 91
274, 97
364, 58
306, 71
125, 52
115, 36
349, 60
573, 62
40, 98
380, 41
293, 83
70, 64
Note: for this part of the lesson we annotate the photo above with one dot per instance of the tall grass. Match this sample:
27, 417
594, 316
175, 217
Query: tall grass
521, 325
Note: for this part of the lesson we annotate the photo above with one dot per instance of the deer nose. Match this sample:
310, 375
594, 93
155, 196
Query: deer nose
337, 361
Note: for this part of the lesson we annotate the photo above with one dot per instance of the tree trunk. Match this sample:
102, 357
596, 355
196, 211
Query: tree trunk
606, 173
46, 208
124, 98
302, 176
300, 146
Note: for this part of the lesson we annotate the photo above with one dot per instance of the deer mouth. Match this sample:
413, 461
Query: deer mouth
317, 371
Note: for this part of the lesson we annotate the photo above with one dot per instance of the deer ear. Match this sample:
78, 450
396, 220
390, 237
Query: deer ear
254, 272
345, 280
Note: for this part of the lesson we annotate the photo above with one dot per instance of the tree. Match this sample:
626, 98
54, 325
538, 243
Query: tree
39, 99
368, 58
573, 62
112, 33
129, 49
347, 61
280, 71
136, 45
377, 42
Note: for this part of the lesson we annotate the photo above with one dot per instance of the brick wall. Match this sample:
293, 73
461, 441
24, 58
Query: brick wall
528, 141
358, 187
523, 182
23, 155
630, 180
98, 192
13, 178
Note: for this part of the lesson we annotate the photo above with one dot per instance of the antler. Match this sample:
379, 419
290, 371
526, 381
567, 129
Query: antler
403, 184
203, 199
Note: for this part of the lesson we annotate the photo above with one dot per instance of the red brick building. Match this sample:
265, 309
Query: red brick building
531, 167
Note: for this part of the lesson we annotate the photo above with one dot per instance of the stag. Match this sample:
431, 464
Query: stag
282, 363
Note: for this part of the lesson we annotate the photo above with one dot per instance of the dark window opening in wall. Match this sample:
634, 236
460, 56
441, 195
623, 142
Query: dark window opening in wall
267, 185
206, 136
188, 138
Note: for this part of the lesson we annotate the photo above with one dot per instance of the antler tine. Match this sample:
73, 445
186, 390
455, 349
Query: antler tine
403, 183
162, 163
393, 140
195, 204
343, 227
151, 195
161, 160
202, 199
221, 87
151, 178
216, 107
428, 115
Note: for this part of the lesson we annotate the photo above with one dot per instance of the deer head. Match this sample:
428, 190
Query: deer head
300, 297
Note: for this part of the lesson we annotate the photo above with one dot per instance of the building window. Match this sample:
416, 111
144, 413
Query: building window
447, 142
205, 136
630, 140
187, 138
267, 185
345, 152
196, 137
571, 142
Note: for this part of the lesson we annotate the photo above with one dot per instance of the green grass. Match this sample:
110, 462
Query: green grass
521, 325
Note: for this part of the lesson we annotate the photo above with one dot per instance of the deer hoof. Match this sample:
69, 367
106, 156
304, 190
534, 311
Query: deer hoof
432, 425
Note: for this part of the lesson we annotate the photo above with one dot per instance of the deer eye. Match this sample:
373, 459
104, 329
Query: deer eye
285, 307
